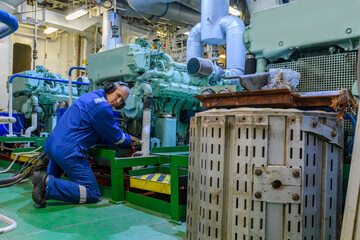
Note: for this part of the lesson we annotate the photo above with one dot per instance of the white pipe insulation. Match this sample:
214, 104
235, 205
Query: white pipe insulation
146, 123
107, 41
217, 28
233, 28
7, 120
34, 116
195, 48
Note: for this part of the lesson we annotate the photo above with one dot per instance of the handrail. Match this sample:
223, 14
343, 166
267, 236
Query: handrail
11, 24
32, 77
70, 80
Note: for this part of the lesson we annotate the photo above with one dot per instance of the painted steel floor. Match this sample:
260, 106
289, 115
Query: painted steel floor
87, 221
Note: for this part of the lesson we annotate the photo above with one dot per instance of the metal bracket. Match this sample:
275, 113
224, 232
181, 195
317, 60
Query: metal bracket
329, 134
277, 184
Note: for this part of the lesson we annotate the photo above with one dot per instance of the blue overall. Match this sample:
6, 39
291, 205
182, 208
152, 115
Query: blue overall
89, 120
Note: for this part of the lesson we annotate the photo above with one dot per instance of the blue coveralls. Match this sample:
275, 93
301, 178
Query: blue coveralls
89, 120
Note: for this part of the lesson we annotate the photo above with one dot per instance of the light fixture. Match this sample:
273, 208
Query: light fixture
222, 56
77, 13
50, 30
186, 33
234, 11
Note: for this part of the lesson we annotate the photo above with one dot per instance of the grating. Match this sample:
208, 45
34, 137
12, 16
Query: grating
324, 73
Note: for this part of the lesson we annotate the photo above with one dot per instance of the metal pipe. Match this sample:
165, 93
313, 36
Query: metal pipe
195, 48
70, 82
212, 13
169, 10
11, 24
31, 77
233, 28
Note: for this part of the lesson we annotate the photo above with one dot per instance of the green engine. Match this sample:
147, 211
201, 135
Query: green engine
151, 71
47, 96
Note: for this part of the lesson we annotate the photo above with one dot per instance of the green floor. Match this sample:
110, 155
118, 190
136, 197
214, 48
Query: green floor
89, 221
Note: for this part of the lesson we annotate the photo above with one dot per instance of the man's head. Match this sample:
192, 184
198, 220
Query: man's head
118, 96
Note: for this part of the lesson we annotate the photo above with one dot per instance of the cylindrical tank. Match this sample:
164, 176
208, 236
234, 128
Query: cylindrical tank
211, 13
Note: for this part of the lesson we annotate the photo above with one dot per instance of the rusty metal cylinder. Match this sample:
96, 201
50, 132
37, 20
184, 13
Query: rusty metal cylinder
200, 67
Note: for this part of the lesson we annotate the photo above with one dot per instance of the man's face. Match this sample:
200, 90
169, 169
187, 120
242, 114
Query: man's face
119, 96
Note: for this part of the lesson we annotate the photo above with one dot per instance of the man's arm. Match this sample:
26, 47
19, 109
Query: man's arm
104, 123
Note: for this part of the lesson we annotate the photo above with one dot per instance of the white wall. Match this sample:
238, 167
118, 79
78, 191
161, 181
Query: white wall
60, 53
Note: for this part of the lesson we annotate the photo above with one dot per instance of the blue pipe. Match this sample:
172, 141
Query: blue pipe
76, 67
38, 78
11, 24
71, 69
44, 79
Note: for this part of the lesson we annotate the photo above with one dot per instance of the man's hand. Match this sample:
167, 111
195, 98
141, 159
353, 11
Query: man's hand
134, 141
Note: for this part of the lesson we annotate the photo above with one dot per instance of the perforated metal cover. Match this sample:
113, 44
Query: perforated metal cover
262, 174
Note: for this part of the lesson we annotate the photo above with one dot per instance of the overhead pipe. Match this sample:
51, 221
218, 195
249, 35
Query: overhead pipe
31, 77
167, 9
11, 24
70, 82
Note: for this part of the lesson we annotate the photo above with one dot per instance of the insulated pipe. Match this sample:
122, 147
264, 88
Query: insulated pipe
143, 5
7, 120
84, 45
171, 11
106, 31
212, 11
233, 28
31, 77
70, 82
107, 41
34, 116
195, 48
12, 224
146, 123
11, 24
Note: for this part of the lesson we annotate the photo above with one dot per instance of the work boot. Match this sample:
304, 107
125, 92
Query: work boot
38, 193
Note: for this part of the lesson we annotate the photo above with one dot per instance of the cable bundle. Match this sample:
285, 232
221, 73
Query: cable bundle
32, 165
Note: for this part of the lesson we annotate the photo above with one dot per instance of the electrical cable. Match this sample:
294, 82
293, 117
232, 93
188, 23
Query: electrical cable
348, 150
16, 157
40, 161
128, 1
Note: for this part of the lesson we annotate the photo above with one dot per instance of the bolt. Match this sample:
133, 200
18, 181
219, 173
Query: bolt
348, 30
296, 174
296, 197
276, 184
281, 43
258, 194
333, 133
314, 123
258, 172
